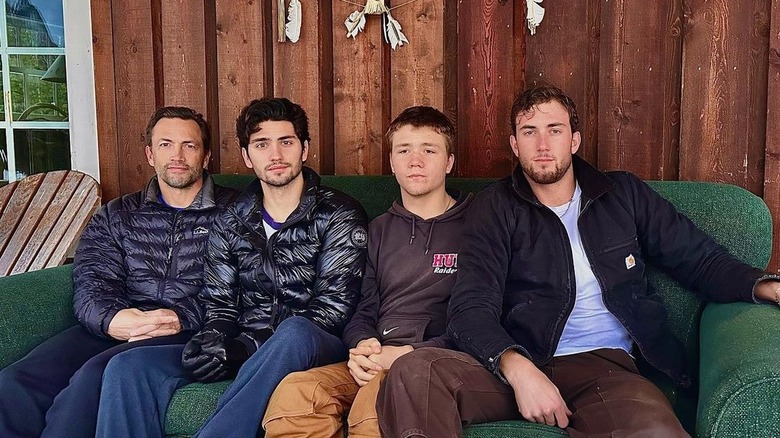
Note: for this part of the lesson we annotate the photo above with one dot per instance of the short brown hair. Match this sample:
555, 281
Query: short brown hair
534, 96
179, 112
424, 117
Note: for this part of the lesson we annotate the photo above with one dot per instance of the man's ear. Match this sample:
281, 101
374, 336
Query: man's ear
513, 145
305, 153
149, 155
247, 160
576, 140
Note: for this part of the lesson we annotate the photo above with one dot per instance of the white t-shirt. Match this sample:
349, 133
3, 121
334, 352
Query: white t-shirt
269, 230
590, 325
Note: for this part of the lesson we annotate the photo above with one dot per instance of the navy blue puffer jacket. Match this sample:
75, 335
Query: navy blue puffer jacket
139, 253
311, 267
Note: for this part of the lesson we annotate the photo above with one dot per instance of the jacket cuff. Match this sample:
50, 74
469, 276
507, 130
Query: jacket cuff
228, 328
102, 330
494, 362
759, 280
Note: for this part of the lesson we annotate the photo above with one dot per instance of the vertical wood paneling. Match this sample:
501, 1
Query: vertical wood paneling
772, 165
639, 87
360, 74
417, 69
565, 52
135, 88
719, 140
303, 73
485, 86
184, 54
243, 69
105, 98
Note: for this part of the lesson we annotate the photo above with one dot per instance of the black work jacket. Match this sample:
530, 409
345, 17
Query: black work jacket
311, 267
516, 286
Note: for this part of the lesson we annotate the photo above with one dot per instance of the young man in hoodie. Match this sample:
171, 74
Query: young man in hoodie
405, 289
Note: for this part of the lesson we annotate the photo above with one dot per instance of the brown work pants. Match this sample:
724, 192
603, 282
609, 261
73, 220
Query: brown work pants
313, 403
434, 393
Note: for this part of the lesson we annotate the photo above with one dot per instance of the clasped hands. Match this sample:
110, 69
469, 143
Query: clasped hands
134, 325
369, 357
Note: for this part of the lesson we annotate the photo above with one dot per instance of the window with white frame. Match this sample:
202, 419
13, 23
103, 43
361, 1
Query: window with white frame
37, 123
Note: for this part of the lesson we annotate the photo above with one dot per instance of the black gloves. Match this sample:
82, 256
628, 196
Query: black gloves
209, 357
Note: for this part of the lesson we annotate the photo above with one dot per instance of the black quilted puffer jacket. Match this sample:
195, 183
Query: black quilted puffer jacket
312, 267
138, 252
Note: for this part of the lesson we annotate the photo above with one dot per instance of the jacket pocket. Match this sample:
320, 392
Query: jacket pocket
620, 262
402, 330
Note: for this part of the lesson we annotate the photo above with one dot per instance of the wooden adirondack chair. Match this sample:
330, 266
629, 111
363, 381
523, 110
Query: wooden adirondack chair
42, 216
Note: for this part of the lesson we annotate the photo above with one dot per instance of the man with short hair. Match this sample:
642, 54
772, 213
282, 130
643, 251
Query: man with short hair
283, 276
137, 272
552, 295
411, 267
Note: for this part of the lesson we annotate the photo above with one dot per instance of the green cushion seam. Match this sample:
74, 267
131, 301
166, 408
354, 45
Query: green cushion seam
730, 400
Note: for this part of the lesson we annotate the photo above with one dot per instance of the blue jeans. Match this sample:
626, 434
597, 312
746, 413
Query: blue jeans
139, 384
55, 389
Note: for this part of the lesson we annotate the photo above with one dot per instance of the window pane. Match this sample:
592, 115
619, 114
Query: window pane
41, 150
38, 89
34, 23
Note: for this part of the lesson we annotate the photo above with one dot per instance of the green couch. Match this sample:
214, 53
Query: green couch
734, 347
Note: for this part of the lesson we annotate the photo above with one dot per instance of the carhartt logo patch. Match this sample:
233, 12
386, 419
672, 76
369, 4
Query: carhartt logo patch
630, 261
200, 230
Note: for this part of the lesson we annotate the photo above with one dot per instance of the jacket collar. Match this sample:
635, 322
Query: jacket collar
203, 200
593, 182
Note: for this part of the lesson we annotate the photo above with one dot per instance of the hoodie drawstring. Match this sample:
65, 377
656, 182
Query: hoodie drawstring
413, 226
430, 234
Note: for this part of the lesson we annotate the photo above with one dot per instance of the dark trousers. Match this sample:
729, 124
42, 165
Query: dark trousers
432, 392
55, 389
138, 385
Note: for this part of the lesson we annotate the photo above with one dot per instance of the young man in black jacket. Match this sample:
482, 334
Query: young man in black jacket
283, 275
412, 265
137, 273
552, 295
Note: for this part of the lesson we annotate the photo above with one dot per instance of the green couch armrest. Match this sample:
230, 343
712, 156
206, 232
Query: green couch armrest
739, 391
34, 307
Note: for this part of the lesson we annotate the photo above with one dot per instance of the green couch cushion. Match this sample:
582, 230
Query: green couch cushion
740, 371
34, 306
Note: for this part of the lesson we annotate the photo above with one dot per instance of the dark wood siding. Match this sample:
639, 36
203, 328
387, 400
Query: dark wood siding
682, 89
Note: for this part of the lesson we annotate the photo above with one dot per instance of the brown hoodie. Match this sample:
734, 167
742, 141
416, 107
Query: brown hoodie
411, 268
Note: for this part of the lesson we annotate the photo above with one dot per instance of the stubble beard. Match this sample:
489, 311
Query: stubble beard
546, 177
182, 181
284, 179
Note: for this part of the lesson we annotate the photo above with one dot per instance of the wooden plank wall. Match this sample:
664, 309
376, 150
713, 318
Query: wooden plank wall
681, 89
217, 55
